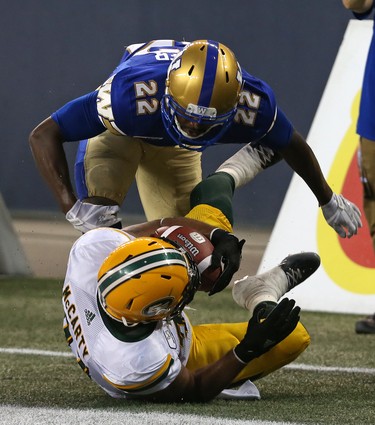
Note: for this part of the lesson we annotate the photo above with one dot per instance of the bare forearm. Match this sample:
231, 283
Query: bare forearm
146, 229
210, 381
303, 161
48, 152
203, 384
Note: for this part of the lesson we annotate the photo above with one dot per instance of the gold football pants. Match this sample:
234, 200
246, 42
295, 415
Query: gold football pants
210, 215
165, 175
211, 342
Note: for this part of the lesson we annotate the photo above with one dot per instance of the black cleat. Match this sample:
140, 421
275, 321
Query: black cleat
271, 285
366, 325
298, 267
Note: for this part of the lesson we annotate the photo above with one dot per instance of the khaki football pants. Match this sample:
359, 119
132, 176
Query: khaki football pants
165, 176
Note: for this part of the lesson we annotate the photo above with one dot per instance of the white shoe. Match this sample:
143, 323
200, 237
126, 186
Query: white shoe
245, 164
249, 291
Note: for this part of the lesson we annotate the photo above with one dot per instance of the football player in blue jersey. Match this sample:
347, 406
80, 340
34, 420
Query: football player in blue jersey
165, 103
366, 129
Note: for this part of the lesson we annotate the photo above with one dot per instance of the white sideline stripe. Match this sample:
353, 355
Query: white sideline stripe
307, 367
15, 415
33, 352
294, 366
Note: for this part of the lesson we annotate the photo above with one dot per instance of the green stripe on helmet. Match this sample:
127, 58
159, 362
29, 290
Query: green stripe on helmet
134, 266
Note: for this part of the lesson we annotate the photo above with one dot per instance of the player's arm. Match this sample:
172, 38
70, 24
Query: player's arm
203, 384
262, 334
46, 143
341, 214
358, 6
74, 121
148, 228
302, 160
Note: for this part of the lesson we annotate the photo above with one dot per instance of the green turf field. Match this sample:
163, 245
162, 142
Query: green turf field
31, 318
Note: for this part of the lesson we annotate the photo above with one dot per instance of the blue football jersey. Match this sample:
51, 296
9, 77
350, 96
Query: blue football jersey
366, 119
128, 103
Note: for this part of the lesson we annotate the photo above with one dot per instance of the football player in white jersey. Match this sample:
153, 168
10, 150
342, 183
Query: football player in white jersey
124, 296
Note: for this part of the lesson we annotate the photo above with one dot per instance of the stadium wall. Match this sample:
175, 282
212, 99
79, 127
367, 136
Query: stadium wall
347, 273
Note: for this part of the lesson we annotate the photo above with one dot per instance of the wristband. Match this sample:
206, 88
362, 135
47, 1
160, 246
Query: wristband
217, 232
236, 356
243, 355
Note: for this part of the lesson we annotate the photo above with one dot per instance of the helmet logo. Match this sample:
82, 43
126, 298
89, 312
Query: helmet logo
201, 111
239, 74
175, 64
158, 308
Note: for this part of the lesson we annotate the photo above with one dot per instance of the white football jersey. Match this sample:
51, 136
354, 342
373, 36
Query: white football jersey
122, 367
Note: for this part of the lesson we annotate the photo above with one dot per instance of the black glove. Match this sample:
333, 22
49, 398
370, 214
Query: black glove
260, 336
227, 250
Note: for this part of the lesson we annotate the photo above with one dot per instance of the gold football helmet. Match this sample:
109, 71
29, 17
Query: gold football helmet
145, 280
202, 91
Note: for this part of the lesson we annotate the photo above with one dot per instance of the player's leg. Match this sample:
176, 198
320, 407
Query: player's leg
165, 178
210, 342
271, 285
368, 179
367, 167
249, 161
105, 168
211, 201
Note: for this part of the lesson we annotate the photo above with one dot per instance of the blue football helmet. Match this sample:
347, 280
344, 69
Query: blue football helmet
202, 91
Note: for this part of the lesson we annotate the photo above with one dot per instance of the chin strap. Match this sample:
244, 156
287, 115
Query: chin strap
128, 324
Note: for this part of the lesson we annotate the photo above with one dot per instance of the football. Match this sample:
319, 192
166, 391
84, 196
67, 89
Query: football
200, 249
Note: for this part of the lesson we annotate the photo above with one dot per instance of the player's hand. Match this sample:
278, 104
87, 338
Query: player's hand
227, 251
84, 216
342, 215
262, 335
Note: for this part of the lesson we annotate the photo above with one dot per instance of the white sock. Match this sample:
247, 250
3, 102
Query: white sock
249, 291
245, 164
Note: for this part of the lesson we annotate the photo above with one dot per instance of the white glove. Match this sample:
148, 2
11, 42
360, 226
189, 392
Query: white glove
84, 216
342, 215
